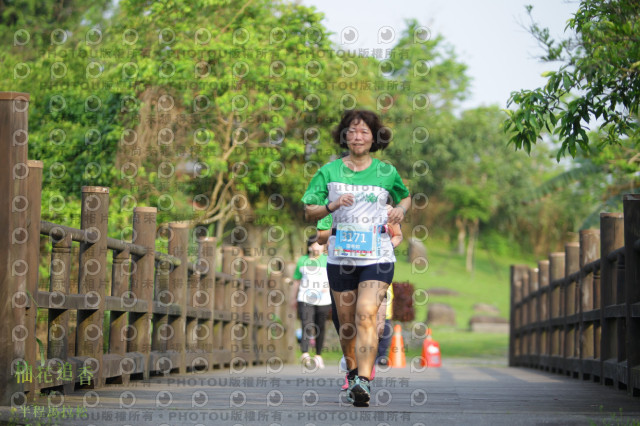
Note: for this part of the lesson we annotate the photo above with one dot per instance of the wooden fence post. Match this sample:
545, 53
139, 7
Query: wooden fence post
92, 283
275, 300
288, 317
248, 283
142, 282
631, 204
120, 274
13, 217
192, 324
34, 199
161, 330
534, 317
589, 252
517, 272
221, 309
556, 272
59, 279
545, 297
229, 255
239, 330
178, 246
611, 237
260, 310
207, 267
571, 322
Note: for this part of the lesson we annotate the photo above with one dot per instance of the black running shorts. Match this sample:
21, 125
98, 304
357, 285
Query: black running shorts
347, 277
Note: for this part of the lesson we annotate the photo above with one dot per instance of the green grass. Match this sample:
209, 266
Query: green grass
488, 283
465, 344
453, 344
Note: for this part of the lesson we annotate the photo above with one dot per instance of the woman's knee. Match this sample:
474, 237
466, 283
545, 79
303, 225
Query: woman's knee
347, 331
367, 316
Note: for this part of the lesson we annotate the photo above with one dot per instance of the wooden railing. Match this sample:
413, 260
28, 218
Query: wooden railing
154, 313
578, 313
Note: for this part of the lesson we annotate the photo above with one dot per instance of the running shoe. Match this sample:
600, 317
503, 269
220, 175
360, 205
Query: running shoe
360, 392
319, 361
305, 359
350, 384
383, 361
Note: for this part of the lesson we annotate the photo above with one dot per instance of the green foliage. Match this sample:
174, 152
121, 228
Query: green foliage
561, 181
22, 21
499, 244
430, 80
488, 284
468, 200
248, 94
593, 184
598, 81
97, 113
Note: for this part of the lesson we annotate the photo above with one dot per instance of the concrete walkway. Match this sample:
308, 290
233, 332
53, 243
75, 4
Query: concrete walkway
462, 392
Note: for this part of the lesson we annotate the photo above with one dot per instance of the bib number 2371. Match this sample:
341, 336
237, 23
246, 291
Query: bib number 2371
356, 242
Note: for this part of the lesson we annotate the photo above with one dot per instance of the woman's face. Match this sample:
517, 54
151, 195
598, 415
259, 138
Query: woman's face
316, 249
359, 137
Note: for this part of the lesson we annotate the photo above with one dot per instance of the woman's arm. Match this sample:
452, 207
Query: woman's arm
315, 212
323, 236
396, 235
295, 287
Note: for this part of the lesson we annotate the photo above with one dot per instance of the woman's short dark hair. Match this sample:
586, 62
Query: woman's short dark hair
312, 239
381, 134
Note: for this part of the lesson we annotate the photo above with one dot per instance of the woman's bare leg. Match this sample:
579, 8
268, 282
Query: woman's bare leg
370, 296
346, 307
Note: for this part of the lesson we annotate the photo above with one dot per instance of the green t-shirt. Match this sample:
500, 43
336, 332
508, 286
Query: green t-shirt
324, 223
371, 187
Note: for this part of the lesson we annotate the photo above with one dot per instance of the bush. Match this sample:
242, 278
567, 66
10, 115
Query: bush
498, 244
402, 308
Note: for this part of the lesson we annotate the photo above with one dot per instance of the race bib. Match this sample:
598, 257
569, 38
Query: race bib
357, 241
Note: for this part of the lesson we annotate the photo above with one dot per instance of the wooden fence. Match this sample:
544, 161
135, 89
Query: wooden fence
578, 313
160, 313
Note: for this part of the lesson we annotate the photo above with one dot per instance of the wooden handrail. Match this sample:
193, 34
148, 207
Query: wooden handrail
87, 236
584, 322
166, 314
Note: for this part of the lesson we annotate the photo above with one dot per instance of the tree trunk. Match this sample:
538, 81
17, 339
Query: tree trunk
253, 246
473, 236
461, 224
220, 229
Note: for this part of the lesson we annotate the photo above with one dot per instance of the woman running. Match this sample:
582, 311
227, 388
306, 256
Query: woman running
361, 260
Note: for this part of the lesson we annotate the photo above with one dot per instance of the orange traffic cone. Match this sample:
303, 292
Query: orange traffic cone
397, 357
430, 352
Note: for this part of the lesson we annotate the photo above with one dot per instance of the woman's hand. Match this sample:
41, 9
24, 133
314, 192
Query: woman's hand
346, 200
396, 215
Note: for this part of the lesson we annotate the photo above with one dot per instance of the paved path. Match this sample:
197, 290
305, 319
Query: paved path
462, 392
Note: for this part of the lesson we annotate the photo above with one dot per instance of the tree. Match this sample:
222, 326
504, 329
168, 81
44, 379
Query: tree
40, 21
598, 80
430, 81
475, 176
45, 50
244, 75
596, 181
186, 106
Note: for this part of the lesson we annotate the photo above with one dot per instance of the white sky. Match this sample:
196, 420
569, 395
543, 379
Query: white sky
487, 35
